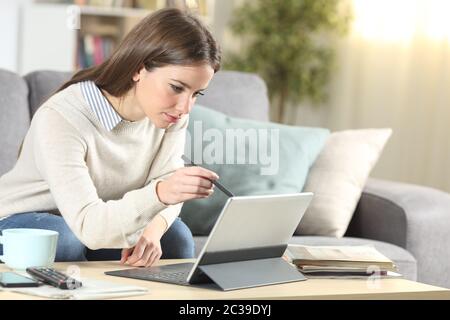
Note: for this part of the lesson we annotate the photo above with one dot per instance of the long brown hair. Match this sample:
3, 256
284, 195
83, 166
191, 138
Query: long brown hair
166, 37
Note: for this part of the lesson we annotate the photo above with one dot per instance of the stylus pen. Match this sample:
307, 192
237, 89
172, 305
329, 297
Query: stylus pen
216, 183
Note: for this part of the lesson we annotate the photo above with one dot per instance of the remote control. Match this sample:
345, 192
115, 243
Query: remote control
54, 278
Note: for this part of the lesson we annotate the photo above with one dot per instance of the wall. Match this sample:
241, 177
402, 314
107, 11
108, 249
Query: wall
10, 18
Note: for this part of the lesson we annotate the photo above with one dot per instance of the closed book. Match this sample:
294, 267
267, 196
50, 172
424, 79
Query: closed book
350, 275
89, 50
98, 50
362, 257
312, 268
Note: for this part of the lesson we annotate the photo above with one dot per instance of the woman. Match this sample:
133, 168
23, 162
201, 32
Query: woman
101, 162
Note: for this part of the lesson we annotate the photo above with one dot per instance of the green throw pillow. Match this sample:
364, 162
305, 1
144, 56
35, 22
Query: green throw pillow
250, 157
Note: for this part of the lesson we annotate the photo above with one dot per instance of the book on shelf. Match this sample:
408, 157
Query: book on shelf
106, 3
340, 261
93, 50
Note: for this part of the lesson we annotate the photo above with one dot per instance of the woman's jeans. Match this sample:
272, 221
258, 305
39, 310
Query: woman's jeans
176, 243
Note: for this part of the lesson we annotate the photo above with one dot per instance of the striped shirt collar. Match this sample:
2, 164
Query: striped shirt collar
104, 111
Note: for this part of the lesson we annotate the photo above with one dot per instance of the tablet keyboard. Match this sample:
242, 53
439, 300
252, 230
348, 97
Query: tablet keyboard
174, 273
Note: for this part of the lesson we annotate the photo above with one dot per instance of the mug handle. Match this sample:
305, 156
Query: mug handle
1, 241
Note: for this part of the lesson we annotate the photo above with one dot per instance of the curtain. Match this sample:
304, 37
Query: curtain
393, 70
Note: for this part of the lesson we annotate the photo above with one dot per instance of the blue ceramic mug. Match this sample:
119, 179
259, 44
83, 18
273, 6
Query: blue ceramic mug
23, 248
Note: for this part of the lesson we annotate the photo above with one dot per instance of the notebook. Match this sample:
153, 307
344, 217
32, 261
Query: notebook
91, 289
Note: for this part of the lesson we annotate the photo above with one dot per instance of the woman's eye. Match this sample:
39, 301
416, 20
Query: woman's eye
177, 89
198, 94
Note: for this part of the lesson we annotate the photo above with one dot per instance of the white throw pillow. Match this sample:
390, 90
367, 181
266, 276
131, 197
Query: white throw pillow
337, 179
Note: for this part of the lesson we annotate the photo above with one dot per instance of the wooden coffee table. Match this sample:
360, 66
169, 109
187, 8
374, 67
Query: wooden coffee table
310, 289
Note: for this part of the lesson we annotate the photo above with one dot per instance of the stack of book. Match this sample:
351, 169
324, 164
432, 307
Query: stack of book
340, 261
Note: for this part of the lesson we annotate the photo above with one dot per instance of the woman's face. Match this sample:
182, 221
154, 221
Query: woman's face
167, 93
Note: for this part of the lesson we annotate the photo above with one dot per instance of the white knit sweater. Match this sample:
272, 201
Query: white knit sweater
102, 182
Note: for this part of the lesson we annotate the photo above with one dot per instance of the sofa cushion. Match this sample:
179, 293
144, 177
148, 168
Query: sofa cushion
406, 263
42, 84
228, 91
14, 119
337, 179
292, 150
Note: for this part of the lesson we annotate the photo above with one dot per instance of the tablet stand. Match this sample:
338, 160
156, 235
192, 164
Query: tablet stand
251, 273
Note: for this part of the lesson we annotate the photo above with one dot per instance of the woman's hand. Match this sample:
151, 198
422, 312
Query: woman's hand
186, 184
147, 250
144, 254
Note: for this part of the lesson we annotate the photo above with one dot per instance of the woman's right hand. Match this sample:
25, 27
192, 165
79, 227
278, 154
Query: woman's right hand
185, 184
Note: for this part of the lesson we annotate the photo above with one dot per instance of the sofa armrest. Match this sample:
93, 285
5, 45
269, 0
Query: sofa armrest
414, 217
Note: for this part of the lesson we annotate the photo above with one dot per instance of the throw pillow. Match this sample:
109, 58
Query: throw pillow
250, 157
337, 179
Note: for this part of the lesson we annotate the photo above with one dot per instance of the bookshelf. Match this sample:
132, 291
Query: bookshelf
71, 35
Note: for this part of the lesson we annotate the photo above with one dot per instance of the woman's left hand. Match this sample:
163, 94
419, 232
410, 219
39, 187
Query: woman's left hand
147, 250
144, 254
